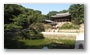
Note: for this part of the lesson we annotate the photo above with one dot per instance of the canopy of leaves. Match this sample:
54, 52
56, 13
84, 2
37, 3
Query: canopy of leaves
77, 13
51, 13
17, 18
63, 11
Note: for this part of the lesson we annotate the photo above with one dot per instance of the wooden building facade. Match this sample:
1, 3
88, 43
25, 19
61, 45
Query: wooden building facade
62, 17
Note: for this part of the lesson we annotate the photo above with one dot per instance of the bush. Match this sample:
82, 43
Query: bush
37, 26
69, 26
30, 34
39, 35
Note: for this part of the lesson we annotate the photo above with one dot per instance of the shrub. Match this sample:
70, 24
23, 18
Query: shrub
39, 35
30, 34
69, 26
37, 26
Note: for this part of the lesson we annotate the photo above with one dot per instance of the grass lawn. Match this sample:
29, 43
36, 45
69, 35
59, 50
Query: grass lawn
35, 42
47, 41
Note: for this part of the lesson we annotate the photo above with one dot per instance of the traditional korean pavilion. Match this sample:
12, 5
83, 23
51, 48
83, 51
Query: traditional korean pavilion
61, 17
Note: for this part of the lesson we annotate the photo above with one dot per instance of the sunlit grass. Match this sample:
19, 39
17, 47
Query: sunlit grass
47, 41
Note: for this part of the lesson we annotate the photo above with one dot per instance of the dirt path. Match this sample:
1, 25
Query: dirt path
58, 35
78, 36
52, 33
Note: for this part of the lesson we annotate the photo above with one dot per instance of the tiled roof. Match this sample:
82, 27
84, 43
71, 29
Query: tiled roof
48, 21
61, 15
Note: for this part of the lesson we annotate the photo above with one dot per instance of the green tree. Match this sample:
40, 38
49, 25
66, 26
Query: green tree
63, 11
11, 10
18, 18
51, 13
77, 13
37, 26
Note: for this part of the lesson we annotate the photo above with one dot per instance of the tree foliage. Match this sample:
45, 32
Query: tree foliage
18, 19
52, 13
77, 13
63, 11
19, 16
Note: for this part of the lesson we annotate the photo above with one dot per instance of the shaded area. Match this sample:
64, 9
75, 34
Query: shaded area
20, 45
60, 46
79, 44
11, 41
14, 44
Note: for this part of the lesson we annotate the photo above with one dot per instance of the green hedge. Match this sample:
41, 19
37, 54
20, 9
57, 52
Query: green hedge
69, 26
